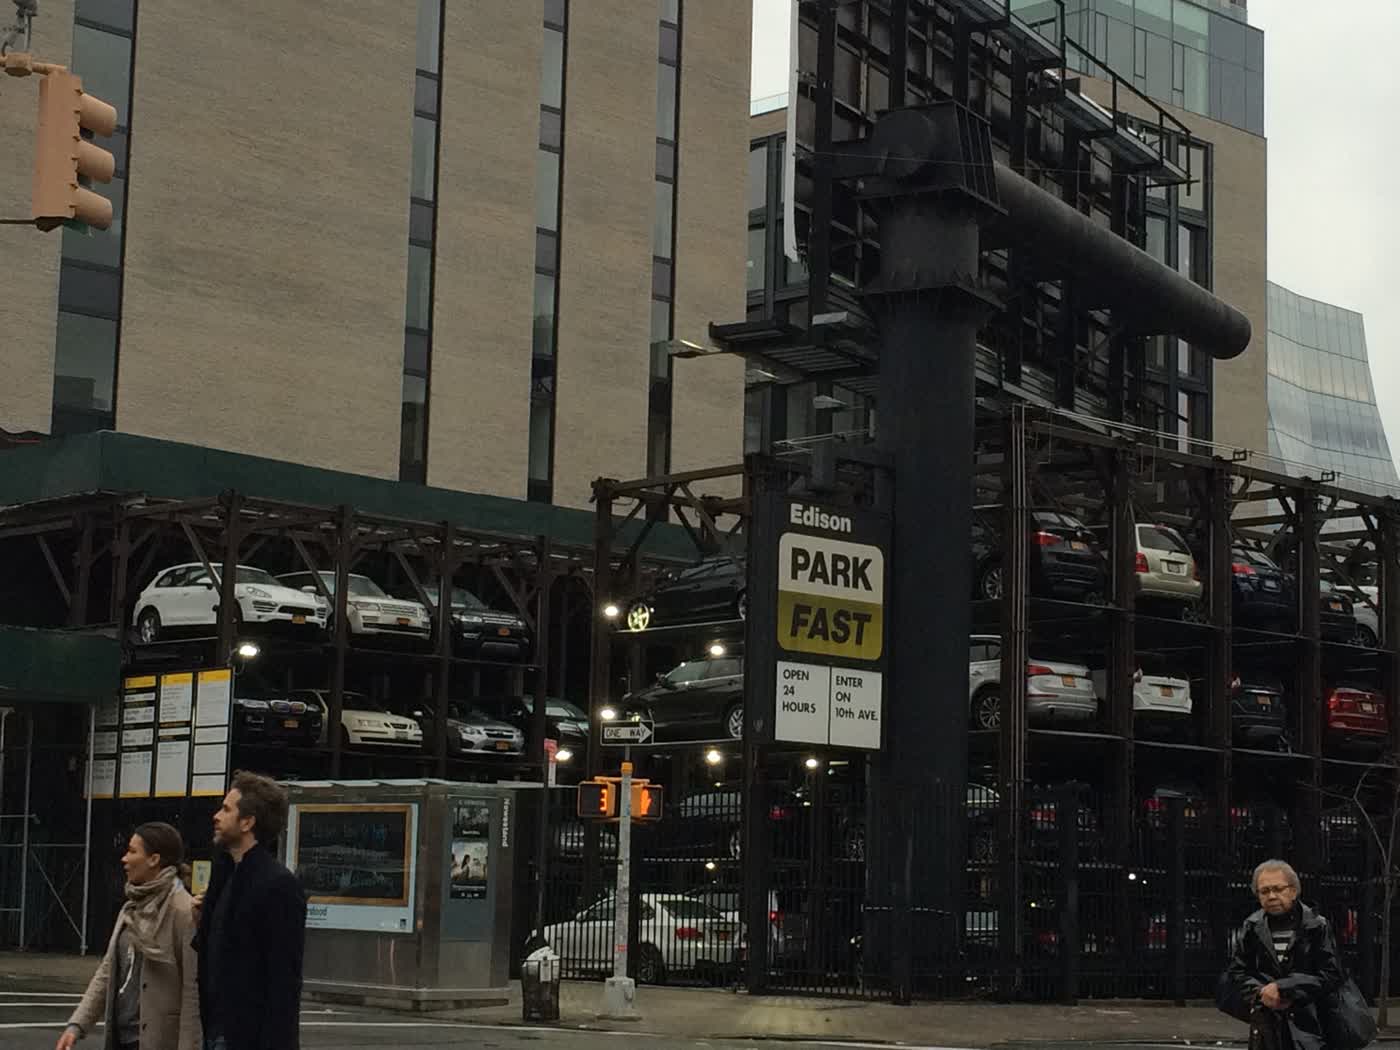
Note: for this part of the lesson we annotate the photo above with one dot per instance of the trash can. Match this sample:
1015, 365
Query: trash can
539, 985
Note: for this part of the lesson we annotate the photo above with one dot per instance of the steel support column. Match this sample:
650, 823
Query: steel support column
82, 573
445, 568
600, 671
344, 555
228, 575
1309, 678
1213, 721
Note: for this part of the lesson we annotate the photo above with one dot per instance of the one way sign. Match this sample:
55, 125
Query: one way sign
627, 733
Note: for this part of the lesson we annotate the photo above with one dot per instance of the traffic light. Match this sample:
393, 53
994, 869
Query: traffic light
646, 801
62, 156
597, 800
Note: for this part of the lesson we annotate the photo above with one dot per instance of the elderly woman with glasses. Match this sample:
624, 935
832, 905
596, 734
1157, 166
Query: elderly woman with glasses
1284, 967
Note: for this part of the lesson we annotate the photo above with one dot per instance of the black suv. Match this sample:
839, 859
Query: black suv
1066, 560
696, 700
478, 629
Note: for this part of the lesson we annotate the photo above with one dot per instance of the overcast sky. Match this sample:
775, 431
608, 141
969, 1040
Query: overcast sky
1332, 106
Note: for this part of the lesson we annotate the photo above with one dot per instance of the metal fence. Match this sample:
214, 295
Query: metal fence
1083, 921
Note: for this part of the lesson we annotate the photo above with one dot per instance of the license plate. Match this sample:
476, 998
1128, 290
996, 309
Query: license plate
404, 621
402, 734
504, 632
1264, 701
1335, 606
1271, 585
1067, 679
1175, 568
1369, 709
291, 723
501, 745
298, 619
1078, 545
1165, 690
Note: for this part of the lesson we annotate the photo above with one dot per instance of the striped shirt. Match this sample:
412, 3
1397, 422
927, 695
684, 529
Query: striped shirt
1283, 929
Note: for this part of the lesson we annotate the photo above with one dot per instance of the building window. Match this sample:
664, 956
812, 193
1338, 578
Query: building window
664, 238
422, 237
87, 334
549, 171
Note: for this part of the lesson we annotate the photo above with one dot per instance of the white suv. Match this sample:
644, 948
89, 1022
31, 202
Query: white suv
370, 609
186, 596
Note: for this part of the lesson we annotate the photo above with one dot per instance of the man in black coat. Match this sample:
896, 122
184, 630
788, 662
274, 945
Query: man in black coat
252, 927
1284, 966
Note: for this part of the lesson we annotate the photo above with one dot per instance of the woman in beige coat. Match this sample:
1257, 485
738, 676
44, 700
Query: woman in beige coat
144, 990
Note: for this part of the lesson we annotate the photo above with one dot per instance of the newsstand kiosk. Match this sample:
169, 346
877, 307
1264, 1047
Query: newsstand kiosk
408, 890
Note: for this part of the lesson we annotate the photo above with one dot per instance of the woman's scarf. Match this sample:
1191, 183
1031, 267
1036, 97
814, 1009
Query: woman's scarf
148, 916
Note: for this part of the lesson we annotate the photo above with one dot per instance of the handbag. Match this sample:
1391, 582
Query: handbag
1347, 1022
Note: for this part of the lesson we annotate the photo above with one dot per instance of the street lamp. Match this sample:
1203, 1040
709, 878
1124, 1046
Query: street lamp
813, 762
608, 714
611, 611
713, 757
563, 755
248, 650
717, 649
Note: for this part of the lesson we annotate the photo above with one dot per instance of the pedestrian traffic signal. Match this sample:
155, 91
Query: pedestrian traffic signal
646, 801
63, 158
597, 800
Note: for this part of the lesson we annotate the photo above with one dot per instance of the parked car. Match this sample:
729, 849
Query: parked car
364, 722
1338, 621
713, 829
1159, 700
677, 934
712, 589
187, 596
566, 723
1258, 711
1042, 823
1166, 569
1263, 594
479, 630
787, 927
1368, 623
1066, 560
695, 700
1358, 716
1055, 691
468, 729
370, 610
270, 719
570, 837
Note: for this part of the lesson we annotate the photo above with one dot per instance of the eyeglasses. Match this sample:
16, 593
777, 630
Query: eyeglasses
1273, 891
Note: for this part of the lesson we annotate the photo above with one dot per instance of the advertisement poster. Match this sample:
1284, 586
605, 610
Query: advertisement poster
356, 864
471, 849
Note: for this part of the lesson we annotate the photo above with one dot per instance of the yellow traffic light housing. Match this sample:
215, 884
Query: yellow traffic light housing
62, 156
597, 800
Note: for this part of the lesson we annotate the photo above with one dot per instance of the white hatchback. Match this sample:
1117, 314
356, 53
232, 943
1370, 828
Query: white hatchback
187, 596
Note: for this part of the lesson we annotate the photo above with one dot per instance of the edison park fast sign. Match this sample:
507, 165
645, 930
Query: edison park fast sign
825, 570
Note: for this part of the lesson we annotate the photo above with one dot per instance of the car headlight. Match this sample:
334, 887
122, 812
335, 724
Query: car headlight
253, 705
471, 731
257, 592
366, 606
364, 723
475, 621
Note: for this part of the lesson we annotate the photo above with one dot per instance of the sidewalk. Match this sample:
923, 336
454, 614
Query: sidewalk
706, 1013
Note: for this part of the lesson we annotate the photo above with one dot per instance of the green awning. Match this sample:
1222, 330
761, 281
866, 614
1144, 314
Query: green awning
57, 667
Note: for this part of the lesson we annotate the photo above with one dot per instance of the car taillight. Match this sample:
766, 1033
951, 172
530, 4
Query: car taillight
775, 917
1240, 568
1195, 571
1157, 934
779, 813
1238, 814
1037, 669
1045, 539
1141, 562
1047, 938
1043, 815
1154, 805
688, 933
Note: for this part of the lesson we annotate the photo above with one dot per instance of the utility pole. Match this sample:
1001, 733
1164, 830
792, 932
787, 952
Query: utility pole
619, 990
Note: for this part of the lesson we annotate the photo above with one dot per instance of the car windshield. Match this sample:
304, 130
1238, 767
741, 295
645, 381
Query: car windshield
691, 671
364, 587
248, 574
1055, 519
463, 597
1256, 558
1161, 538
685, 908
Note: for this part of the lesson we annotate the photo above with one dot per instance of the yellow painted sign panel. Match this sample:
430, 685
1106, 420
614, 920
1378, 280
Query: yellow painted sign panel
831, 597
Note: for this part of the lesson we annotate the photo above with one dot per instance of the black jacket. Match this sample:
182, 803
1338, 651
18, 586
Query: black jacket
1310, 977
257, 1003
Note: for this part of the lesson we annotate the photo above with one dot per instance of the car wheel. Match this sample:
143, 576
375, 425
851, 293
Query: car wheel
986, 709
638, 616
1365, 637
741, 605
1191, 612
148, 626
651, 969
734, 722
989, 581
736, 844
